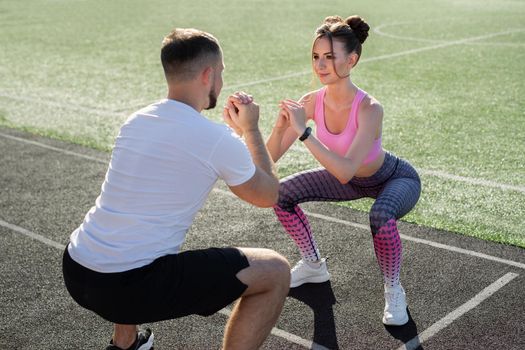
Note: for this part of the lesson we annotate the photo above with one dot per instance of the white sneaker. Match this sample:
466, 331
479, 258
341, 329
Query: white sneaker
304, 273
395, 313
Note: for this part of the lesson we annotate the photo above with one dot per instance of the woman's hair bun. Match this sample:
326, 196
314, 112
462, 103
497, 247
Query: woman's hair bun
358, 25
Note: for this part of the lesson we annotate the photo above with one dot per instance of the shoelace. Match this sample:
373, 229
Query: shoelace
393, 298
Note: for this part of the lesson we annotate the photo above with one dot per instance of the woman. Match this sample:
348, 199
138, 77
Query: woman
348, 146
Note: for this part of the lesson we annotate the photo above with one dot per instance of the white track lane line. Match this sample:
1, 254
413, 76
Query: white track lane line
408, 238
320, 216
486, 293
435, 173
414, 343
288, 336
32, 235
275, 331
56, 149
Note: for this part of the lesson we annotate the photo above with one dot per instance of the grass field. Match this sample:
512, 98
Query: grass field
449, 75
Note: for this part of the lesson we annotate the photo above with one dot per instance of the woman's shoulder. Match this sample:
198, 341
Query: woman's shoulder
370, 104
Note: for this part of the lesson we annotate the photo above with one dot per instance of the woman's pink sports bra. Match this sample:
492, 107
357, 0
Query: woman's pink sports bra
339, 143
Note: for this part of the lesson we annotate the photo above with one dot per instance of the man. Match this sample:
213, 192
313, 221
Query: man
124, 261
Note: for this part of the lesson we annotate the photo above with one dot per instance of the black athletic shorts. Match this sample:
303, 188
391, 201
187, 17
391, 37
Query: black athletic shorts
192, 282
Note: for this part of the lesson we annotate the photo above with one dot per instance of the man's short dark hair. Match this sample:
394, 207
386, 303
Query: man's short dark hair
185, 51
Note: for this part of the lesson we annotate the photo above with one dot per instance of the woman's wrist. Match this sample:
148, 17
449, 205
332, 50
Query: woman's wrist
305, 134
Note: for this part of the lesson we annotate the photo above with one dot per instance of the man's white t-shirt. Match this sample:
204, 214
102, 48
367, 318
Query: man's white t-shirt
166, 160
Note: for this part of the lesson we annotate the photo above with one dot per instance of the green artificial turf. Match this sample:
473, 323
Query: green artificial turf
449, 75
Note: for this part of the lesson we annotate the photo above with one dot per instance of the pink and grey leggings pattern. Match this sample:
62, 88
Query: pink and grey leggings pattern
395, 187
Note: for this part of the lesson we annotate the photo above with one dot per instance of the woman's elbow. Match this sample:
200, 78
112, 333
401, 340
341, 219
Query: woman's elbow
344, 177
343, 180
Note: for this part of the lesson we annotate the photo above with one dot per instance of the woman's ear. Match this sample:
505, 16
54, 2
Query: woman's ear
352, 59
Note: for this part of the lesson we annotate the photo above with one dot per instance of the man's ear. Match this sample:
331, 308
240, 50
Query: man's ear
206, 75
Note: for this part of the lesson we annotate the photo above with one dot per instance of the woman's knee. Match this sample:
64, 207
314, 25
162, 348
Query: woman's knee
379, 217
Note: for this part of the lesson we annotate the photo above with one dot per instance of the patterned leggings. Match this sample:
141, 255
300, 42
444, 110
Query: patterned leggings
395, 187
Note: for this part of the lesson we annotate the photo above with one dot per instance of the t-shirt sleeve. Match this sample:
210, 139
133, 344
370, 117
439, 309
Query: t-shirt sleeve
232, 160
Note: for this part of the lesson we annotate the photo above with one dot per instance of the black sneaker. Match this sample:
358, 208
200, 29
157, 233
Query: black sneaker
144, 341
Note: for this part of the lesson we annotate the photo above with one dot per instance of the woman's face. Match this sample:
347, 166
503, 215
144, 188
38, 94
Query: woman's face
324, 61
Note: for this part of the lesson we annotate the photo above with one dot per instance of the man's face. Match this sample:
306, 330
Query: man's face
216, 84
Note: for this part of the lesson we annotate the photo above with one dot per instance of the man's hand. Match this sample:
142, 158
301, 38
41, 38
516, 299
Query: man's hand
241, 113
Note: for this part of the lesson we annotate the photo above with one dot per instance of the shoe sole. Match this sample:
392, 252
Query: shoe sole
316, 279
403, 322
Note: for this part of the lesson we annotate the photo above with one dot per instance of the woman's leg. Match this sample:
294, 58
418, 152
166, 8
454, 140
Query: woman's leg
311, 185
398, 197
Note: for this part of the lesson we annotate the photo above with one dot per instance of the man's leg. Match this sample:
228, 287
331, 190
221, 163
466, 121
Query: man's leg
256, 312
124, 335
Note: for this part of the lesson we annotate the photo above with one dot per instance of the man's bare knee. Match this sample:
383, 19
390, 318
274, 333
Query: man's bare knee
268, 270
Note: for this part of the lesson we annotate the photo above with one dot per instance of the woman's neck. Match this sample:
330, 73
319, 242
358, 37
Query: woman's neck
341, 92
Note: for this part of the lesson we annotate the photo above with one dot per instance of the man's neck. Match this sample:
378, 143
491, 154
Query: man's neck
186, 95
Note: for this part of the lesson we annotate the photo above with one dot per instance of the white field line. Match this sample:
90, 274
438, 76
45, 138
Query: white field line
281, 77
71, 107
267, 80
435, 173
486, 293
447, 176
275, 331
378, 30
472, 181
397, 54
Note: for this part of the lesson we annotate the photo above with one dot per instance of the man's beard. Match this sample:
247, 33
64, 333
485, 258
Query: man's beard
212, 96
213, 99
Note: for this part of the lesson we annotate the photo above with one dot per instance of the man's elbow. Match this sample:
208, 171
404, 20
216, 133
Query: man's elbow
270, 197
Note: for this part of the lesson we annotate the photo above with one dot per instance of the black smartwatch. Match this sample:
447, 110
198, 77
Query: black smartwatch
305, 134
